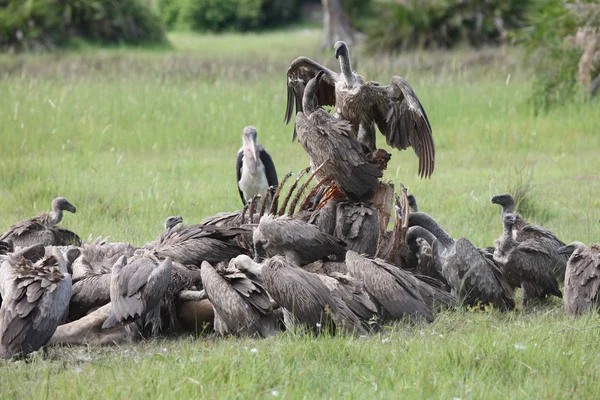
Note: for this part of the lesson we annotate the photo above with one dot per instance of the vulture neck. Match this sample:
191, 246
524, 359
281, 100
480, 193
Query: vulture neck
347, 70
415, 232
55, 216
427, 222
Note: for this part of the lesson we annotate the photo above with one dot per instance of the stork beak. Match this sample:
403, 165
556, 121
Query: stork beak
250, 144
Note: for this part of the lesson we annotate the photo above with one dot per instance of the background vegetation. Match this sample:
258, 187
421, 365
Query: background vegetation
47, 24
132, 136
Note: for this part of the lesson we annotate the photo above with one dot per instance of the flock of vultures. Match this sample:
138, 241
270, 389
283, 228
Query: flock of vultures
312, 257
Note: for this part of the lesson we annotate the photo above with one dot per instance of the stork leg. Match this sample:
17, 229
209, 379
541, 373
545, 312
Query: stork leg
292, 188
303, 188
272, 209
313, 193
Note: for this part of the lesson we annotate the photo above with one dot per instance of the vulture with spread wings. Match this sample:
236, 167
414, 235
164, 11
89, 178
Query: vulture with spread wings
395, 108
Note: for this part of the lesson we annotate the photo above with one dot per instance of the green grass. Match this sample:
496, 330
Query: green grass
131, 136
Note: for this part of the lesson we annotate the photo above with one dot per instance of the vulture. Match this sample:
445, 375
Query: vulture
92, 275
300, 242
255, 170
329, 140
307, 301
395, 108
525, 264
136, 288
173, 221
242, 306
398, 294
522, 231
35, 299
471, 272
582, 279
42, 228
356, 224
193, 244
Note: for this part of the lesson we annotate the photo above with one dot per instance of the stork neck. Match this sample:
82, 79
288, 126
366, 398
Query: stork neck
427, 222
249, 160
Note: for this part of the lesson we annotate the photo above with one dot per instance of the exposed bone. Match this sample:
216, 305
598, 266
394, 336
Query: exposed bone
263, 206
255, 198
88, 330
306, 203
191, 295
303, 188
292, 188
276, 195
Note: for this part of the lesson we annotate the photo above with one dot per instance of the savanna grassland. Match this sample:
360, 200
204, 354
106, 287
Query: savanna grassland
131, 136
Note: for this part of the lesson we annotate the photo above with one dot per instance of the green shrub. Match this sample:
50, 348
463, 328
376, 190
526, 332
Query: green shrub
444, 23
226, 15
278, 12
169, 11
30, 24
550, 27
35, 24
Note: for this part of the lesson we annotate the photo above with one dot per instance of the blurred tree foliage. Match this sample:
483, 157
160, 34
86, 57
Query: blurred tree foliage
556, 36
46, 24
227, 15
409, 24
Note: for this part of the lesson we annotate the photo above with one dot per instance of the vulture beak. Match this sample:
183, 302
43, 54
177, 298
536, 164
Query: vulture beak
340, 48
565, 250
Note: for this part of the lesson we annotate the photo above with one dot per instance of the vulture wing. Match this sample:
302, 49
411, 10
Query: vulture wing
299, 73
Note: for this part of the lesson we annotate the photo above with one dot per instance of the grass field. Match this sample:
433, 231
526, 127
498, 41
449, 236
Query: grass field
131, 136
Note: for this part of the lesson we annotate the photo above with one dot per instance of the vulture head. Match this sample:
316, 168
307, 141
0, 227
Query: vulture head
341, 49
309, 101
509, 220
172, 221
412, 203
62, 204
506, 201
572, 248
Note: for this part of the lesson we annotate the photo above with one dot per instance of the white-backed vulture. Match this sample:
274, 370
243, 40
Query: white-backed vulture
136, 288
395, 108
306, 300
193, 244
525, 264
329, 140
395, 291
35, 299
522, 231
173, 221
41, 228
471, 273
298, 241
582, 279
242, 306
